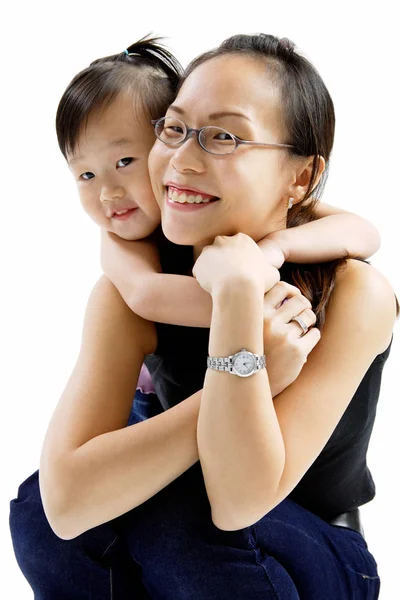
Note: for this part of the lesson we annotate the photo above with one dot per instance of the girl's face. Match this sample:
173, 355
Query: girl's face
111, 170
252, 184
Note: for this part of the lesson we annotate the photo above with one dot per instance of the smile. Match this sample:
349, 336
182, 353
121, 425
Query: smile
122, 215
183, 196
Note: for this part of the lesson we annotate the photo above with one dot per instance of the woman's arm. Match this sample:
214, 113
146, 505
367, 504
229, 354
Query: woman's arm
335, 234
134, 268
93, 468
253, 452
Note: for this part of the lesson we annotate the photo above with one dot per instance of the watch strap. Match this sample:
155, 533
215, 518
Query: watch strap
225, 363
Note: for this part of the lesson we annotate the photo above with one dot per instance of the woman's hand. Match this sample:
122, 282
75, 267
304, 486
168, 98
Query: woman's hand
285, 347
233, 258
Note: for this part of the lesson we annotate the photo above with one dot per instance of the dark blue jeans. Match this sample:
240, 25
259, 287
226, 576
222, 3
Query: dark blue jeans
94, 565
170, 543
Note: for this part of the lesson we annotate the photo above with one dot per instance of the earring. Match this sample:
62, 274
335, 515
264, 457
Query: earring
290, 203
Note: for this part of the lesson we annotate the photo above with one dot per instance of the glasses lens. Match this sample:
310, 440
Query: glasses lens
217, 140
170, 130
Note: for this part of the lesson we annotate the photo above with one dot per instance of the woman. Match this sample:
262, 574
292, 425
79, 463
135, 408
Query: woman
235, 533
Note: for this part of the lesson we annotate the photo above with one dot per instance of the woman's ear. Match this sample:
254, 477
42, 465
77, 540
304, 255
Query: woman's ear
303, 176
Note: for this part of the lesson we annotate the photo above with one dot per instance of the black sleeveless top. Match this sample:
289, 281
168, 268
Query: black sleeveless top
339, 479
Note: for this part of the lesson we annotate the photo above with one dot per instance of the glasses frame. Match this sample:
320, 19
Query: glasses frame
190, 131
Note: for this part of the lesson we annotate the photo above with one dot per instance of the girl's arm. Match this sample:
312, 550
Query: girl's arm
335, 234
134, 268
93, 468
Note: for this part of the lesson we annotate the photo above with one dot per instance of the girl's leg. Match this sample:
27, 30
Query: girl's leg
324, 561
56, 569
290, 554
145, 406
93, 565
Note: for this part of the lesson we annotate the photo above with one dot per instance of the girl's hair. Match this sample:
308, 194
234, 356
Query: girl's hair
309, 118
146, 68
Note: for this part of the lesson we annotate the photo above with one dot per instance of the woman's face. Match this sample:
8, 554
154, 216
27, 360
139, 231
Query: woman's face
252, 184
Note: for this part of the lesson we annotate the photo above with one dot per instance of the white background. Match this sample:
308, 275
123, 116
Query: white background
50, 248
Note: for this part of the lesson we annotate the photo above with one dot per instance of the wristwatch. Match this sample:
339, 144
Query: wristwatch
243, 363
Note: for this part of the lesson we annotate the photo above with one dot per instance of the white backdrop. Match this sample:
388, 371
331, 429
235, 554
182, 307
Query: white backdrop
50, 248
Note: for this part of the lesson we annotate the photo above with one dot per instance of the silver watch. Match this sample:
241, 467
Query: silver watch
243, 363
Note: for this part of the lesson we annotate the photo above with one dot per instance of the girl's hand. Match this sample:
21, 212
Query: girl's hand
233, 258
285, 347
272, 251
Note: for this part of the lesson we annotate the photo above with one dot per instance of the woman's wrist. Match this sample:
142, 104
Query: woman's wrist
234, 286
237, 318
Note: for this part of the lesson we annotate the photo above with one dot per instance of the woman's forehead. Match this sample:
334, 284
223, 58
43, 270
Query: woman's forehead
232, 84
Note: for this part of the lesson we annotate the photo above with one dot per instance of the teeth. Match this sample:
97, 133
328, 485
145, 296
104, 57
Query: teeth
186, 198
121, 212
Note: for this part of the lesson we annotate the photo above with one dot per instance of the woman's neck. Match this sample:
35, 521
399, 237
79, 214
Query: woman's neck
197, 250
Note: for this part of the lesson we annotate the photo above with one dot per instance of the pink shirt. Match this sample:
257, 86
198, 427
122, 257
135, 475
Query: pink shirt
145, 384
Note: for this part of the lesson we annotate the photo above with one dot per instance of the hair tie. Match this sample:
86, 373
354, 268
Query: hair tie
131, 53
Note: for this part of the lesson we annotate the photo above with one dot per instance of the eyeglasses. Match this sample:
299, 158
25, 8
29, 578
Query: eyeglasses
215, 140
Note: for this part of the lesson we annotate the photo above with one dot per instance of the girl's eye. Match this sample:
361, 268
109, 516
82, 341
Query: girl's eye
124, 162
86, 176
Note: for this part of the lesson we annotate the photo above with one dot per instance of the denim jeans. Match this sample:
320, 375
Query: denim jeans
171, 545
94, 565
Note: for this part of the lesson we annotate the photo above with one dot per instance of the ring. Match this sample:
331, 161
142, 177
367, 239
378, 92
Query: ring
301, 323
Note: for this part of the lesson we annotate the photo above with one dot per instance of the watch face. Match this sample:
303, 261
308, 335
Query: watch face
244, 364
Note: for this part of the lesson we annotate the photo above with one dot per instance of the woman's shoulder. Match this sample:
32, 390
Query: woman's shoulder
360, 273
368, 295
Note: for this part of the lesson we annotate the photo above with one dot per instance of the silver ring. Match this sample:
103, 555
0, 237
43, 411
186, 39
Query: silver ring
301, 323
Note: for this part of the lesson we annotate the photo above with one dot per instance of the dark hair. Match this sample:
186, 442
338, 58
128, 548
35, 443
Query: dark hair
309, 119
146, 67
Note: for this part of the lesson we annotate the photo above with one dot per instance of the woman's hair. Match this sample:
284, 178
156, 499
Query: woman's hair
146, 69
309, 120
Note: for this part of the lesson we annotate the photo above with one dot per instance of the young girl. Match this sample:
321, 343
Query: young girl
103, 126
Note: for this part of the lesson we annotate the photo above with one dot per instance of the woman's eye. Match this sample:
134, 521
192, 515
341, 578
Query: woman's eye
124, 162
223, 137
173, 131
86, 176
